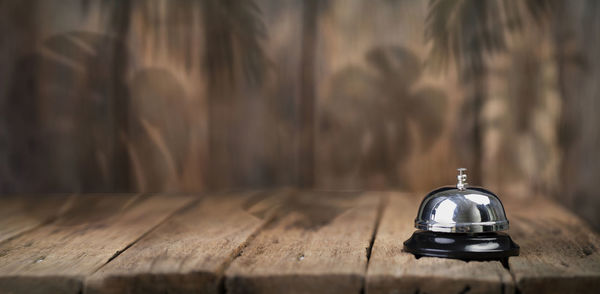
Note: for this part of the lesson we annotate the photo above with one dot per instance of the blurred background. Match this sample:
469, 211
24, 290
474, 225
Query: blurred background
202, 95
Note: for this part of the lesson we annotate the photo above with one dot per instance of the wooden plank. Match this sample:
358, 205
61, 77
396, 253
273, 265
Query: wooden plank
189, 252
54, 258
393, 271
559, 252
317, 243
21, 213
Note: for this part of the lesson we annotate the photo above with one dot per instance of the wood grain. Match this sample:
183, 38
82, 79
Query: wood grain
21, 213
188, 253
559, 252
318, 243
393, 271
274, 242
56, 257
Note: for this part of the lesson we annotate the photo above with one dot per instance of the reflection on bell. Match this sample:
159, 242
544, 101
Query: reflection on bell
461, 222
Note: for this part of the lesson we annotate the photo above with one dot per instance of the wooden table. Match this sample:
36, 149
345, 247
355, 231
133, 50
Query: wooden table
283, 241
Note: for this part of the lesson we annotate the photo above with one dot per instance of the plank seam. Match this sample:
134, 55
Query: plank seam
383, 199
48, 221
378, 216
220, 272
63, 208
512, 276
152, 229
221, 289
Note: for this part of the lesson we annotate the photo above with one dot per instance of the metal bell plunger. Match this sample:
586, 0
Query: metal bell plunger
461, 222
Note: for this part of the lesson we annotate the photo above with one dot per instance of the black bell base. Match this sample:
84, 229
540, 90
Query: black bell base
480, 246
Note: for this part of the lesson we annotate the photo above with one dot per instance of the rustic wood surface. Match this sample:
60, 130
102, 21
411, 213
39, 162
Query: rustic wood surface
559, 252
190, 251
393, 271
318, 243
19, 214
282, 241
54, 258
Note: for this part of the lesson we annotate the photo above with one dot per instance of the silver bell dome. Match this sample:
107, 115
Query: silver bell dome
461, 209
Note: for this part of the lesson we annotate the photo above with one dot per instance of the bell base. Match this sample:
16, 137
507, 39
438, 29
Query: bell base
480, 246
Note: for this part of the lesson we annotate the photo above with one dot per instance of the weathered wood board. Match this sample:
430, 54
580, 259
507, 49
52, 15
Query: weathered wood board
559, 252
190, 251
281, 241
318, 243
19, 214
393, 271
55, 257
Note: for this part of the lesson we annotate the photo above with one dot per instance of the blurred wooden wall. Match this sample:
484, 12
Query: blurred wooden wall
184, 96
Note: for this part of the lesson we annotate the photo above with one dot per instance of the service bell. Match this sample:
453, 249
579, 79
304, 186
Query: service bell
461, 222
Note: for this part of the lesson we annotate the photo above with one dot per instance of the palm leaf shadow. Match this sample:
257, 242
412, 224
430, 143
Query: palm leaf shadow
467, 33
228, 25
367, 119
231, 33
65, 91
